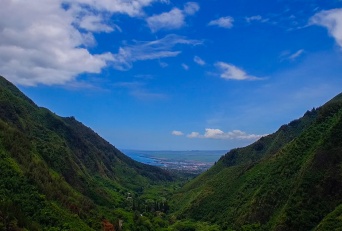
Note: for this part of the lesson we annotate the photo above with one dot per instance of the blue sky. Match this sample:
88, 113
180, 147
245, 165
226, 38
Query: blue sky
175, 75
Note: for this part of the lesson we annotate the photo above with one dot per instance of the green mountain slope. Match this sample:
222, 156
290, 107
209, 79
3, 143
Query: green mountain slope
56, 173
289, 180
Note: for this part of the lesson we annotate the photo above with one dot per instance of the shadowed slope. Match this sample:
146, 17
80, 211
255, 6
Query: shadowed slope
56, 172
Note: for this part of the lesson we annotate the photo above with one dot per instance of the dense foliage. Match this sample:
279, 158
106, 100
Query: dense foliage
289, 180
57, 174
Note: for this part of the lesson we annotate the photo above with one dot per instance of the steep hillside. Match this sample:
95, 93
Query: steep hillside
290, 180
56, 172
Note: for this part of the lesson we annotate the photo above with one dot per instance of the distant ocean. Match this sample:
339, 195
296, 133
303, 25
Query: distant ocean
135, 155
158, 158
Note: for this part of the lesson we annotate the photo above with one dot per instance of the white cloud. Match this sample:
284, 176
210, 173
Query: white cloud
169, 20
95, 23
254, 18
332, 20
46, 41
291, 56
133, 8
185, 67
191, 8
211, 133
94, 15
177, 133
296, 54
39, 44
148, 50
193, 135
225, 22
173, 19
231, 72
199, 61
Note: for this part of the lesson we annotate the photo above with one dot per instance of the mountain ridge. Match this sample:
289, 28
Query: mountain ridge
266, 185
58, 174
64, 165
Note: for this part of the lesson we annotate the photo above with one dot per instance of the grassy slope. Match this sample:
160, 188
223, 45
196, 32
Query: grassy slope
290, 180
55, 172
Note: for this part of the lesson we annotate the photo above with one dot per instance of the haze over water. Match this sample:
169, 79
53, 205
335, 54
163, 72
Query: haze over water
194, 160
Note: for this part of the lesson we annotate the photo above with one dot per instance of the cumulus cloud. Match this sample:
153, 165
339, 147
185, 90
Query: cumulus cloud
224, 22
191, 8
94, 15
95, 23
148, 50
41, 45
199, 61
173, 19
332, 20
133, 8
47, 41
177, 133
194, 135
231, 72
211, 133
169, 20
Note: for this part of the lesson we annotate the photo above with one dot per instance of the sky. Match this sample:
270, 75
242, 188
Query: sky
175, 75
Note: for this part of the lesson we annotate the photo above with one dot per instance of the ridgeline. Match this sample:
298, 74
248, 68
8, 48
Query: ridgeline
289, 180
57, 174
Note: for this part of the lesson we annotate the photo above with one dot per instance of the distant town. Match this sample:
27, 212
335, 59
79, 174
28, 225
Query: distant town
186, 166
192, 162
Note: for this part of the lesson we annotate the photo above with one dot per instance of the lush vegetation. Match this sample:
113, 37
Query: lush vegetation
57, 174
290, 180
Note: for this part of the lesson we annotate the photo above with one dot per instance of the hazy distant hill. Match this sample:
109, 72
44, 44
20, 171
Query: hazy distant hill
56, 172
289, 180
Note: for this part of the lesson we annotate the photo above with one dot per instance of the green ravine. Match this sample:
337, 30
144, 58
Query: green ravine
57, 174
